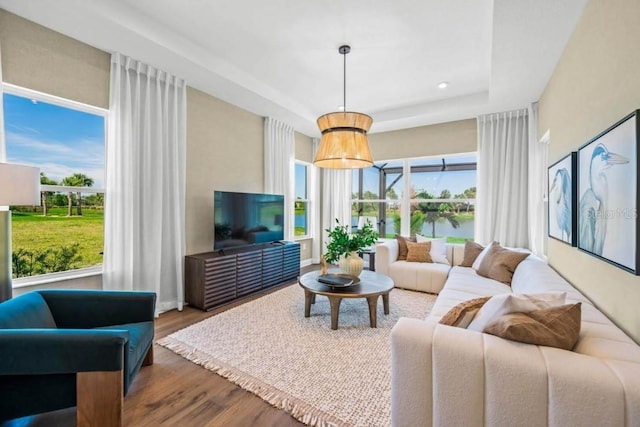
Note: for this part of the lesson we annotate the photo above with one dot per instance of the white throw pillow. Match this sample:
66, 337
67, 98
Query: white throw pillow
502, 304
438, 250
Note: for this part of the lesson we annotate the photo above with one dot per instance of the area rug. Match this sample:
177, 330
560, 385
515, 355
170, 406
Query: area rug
320, 376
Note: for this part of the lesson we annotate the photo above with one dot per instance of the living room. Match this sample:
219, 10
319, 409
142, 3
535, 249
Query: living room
588, 86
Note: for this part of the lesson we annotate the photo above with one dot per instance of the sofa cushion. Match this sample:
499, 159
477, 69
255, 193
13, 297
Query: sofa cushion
471, 252
438, 249
419, 276
26, 311
554, 327
462, 314
402, 246
418, 252
499, 305
499, 263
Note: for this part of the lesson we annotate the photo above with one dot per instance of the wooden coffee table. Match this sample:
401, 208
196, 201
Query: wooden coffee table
371, 286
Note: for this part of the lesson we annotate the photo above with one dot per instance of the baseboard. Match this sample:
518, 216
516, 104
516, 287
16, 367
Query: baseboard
305, 262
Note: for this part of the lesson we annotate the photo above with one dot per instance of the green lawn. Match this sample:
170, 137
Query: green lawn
35, 232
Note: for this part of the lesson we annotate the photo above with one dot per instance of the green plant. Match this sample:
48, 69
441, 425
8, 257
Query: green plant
342, 242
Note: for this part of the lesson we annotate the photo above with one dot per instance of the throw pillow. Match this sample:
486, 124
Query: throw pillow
438, 250
402, 246
462, 314
500, 263
502, 304
471, 252
476, 263
418, 252
553, 327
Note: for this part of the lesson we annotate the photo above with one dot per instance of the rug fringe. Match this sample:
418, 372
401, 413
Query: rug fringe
300, 410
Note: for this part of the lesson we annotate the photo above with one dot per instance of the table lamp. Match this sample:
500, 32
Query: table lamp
19, 185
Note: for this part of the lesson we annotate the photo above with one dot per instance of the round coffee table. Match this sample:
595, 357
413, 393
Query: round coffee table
371, 286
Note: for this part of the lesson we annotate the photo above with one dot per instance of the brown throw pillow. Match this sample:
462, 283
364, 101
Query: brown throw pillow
419, 252
462, 314
554, 327
471, 252
500, 263
402, 246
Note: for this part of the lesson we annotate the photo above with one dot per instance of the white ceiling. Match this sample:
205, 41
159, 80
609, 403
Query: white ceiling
279, 57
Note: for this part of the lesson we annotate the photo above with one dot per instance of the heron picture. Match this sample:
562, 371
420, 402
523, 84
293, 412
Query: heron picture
562, 197
608, 190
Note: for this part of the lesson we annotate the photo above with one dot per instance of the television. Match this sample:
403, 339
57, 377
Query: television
242, 219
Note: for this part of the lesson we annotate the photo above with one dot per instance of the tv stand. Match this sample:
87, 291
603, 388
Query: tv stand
219, 277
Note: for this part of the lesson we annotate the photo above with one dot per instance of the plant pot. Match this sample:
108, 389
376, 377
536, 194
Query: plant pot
352, 264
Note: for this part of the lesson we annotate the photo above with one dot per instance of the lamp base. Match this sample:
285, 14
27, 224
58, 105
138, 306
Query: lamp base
6, 288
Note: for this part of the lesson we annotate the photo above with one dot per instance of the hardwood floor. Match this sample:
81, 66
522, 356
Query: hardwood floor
176, 392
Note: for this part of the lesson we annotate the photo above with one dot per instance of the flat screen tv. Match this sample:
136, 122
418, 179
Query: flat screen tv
242, 219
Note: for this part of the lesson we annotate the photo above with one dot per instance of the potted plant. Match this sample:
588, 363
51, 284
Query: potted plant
343, 246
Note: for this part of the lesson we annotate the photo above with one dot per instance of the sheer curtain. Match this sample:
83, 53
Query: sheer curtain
502, 196
145, 192
336, 200
314, 196
279, 167
538, 153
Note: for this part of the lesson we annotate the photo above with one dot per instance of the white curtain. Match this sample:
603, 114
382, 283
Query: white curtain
336, 200
502, 196
314, 196
3, 144
279, 167
538, 150
145, 192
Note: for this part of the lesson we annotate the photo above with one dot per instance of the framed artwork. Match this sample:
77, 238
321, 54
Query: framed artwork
608, 191
562, 199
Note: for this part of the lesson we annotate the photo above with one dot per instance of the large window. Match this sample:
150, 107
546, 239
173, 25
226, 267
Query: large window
434, 197
66, 140
301, 204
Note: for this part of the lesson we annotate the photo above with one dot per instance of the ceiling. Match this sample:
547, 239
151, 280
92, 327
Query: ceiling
279, 58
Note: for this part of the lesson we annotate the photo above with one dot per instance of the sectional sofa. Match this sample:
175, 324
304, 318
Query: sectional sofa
451, 376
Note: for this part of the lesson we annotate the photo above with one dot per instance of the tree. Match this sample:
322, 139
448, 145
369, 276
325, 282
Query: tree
44, 195
77, 180
470, 193
435, 210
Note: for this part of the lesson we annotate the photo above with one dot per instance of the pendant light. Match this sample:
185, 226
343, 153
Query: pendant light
344, 142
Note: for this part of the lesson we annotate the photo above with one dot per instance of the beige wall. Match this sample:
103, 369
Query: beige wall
224, 152
38, 58
445, 138
304, 147
595, 83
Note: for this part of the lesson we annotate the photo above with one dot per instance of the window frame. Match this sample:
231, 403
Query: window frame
59, 276
307, 201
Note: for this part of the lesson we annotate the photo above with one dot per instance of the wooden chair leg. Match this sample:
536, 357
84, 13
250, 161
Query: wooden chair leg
148, 359
99, 399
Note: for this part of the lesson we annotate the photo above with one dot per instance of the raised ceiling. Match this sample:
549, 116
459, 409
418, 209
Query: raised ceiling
279, 57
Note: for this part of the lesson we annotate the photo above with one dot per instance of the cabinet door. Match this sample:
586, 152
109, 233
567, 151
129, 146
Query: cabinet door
272, 263
291, 268
219, 280
249, 272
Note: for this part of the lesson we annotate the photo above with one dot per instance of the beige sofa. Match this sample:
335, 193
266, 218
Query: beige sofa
448, 376
416, 276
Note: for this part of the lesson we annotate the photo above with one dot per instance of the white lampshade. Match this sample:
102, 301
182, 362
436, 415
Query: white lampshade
19, 185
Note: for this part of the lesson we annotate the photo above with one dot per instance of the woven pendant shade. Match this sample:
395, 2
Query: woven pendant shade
344, 142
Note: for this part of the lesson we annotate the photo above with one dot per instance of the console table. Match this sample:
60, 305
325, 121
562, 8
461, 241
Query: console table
216, 278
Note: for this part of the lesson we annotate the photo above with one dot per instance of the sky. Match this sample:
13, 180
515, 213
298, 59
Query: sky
58, 140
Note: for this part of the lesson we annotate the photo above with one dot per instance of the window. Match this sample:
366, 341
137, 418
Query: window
434, 197
301, 204
66, 140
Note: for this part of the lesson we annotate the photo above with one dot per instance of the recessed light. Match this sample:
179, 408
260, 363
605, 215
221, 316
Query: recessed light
340, 107
443, 85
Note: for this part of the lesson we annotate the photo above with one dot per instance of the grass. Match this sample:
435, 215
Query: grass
33, 231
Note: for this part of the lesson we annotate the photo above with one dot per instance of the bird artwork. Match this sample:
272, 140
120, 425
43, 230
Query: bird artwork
593, 202
560, 196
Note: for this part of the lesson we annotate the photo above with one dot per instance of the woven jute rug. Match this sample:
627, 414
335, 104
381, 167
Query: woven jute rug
320, 376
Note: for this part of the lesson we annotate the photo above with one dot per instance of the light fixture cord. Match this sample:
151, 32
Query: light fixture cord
344, 83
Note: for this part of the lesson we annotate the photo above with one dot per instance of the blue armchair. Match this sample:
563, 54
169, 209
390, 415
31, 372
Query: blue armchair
62, 348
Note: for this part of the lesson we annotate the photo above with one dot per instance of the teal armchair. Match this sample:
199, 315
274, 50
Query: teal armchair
63, 348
